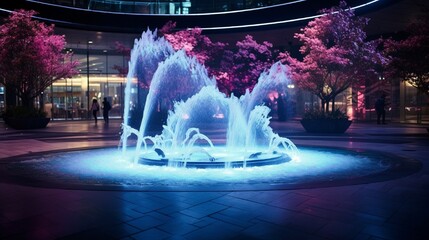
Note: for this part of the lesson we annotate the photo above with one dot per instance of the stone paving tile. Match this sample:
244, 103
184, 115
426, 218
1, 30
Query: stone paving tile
263, 197
127, 238
89, 234
289, 201
180, 217
152, 234
340, 230
205, 221
177, 228
393, 232
236, 216
245, 204
119, 230
202, 210
26, 228
130, 212
145, 222
305, 223
340, 214
173, 208
198, 197
215, 231
266, 230
277, 215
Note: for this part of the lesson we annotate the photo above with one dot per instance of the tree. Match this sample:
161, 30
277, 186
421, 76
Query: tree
336, 55
125, 52
235, 69
248, 62
192, 41
211, 54
410, 56
31, 57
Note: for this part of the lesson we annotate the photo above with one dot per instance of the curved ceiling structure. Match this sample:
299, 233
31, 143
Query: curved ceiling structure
293, 12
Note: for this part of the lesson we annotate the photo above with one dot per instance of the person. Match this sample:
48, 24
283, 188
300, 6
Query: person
379, 108
106, 108
75, 108
95, 107
281, 113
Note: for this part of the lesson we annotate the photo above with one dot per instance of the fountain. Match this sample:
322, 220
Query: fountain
181, 80
209, 142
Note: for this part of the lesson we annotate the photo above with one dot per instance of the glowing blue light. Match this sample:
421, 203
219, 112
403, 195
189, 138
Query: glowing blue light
109, 166
279, 22
203, 14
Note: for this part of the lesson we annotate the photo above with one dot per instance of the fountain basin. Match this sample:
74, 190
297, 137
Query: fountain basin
107, 169
218, 159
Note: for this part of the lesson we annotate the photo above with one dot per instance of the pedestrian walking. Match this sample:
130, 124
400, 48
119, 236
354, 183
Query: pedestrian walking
106, 108
95, 107
380, 109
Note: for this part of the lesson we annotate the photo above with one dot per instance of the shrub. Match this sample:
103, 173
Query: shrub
23, 112
317, 114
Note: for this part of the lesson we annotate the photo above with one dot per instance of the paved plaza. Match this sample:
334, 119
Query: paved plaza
391, 209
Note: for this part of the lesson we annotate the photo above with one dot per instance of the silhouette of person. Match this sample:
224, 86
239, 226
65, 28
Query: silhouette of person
281, 108
379, 108
95, 107
106, 109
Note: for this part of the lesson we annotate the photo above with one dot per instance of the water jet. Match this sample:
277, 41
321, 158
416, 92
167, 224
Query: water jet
182, 81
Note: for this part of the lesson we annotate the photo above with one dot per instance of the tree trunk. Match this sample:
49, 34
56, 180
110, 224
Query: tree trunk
10, 97
42, 102
419, 106
27, 102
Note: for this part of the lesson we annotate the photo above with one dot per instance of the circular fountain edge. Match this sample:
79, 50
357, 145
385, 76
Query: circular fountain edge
399, 167
215, 163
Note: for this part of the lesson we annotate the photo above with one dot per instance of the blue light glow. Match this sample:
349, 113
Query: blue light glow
261, 24
110, 167
280, 22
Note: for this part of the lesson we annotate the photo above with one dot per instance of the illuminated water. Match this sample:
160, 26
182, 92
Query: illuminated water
108, 167
181, 84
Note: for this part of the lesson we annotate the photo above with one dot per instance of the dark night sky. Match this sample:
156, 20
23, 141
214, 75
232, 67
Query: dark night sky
388, 20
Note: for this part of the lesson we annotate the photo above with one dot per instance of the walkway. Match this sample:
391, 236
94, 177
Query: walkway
394, 209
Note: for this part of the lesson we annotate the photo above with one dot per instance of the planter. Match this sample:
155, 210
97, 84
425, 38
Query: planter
326, 125
26, 123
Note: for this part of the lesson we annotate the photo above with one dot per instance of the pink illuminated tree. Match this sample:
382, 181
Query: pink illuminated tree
410, 56
193, 42
235, 69
125, 53
248, 62
31, 57
336, 55
211, 54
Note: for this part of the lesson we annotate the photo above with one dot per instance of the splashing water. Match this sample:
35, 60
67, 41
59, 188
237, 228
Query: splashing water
182, 80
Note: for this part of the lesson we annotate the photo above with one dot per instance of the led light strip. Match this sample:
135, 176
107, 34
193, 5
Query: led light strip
207, 28
281, 22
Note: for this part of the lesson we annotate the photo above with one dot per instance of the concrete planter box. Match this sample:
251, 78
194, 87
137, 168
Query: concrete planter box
326, 125
27, 123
